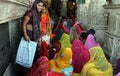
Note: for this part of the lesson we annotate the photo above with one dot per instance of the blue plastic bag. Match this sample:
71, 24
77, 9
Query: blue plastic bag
26, 52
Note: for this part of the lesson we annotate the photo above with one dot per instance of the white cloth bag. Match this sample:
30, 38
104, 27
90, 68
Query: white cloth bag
26, 52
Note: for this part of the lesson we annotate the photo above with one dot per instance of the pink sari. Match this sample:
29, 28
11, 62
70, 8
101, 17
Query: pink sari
80, 55
90, 42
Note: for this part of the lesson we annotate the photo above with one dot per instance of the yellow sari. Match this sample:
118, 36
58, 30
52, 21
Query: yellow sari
62, 62
97, 65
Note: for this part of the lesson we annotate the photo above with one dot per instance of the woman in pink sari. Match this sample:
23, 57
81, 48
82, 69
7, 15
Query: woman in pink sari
91, 42
80, 55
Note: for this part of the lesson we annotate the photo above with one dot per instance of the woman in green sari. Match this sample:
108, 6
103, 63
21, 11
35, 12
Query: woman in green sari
65, 41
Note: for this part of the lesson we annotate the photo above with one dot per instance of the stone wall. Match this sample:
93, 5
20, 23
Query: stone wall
4, 47
82, 12
10, 32
12, 9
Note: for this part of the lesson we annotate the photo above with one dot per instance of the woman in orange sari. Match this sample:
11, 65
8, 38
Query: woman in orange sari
45, 21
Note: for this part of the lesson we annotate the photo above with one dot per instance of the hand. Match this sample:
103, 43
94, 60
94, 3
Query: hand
27, 38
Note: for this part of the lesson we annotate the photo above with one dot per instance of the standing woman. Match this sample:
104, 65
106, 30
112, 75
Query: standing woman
45, 21
31, 22
31, 28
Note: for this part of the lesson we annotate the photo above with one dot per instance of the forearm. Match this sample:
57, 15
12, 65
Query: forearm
24, 29
26, 20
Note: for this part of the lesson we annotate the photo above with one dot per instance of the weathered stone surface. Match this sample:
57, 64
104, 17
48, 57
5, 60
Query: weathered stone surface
82, 12
113, 47
114, 24
96, 13
113, 32
116, 1
4, 47
12, 9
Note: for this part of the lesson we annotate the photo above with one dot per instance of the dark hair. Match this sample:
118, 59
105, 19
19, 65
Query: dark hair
91, 31
83, 35
44, 5
38, 1
35, 4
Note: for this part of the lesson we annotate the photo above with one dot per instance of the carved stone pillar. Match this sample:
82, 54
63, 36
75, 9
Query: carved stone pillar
112, 36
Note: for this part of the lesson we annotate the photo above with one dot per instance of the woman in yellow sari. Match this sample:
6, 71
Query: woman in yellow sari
62, 64
97, 65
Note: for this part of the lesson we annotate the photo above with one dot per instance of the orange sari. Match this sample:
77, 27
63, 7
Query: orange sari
44, 22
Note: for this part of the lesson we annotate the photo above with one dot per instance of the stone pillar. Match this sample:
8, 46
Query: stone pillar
97, 19
112, 36
63, 7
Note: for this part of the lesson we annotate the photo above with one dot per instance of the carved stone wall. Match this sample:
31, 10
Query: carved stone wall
82, 12
96, 13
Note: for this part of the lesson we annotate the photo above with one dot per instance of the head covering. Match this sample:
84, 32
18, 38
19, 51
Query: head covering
78, 28
63, 63
80, 55
73, 34
65, 41
97, 65
90, 42
35, 21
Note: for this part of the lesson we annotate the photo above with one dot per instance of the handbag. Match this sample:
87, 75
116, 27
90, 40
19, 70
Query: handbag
26, 52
